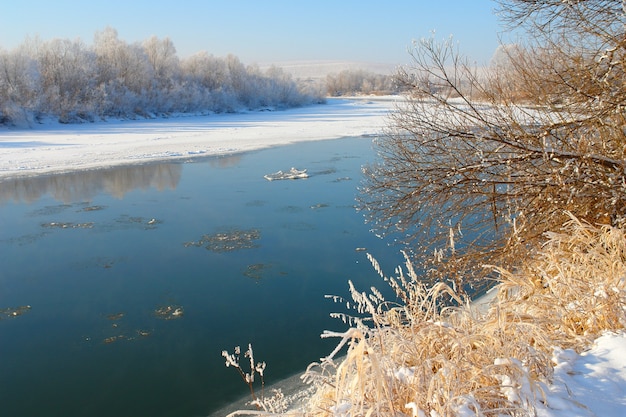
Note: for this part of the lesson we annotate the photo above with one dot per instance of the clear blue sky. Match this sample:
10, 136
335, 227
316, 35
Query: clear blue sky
263, 31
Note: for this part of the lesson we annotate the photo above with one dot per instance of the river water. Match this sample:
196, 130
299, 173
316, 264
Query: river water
120, 288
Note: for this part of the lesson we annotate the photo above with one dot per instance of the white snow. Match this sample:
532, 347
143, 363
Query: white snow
590, 384
53, 148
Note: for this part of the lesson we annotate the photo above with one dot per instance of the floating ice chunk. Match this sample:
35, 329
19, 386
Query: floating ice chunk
292, 174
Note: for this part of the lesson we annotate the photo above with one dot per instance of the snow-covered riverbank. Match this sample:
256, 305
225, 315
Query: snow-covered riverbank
54, 148
590, 384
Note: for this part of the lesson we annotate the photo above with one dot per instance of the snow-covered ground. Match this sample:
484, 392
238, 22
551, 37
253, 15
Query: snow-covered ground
53, 148
590, 384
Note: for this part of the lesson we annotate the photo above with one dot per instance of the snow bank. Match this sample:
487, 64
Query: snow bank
55, 148
590, 384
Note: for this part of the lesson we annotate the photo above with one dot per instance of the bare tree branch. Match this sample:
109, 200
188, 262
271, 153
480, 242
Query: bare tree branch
498, 154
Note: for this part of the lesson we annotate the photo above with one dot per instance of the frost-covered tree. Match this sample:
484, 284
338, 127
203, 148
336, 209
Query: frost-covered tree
161, 55
123, 76
67, 71
207, 70
479, 164
348, 82
164, 92
281, 87
18, 87
120, 62
211, 81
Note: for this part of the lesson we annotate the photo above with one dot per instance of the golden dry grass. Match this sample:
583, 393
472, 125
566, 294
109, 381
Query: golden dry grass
419, 356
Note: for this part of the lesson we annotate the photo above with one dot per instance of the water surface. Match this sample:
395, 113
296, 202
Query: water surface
120, 288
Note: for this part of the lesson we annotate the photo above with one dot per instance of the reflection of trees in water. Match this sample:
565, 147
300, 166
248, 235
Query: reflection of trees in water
225, 161
86, 184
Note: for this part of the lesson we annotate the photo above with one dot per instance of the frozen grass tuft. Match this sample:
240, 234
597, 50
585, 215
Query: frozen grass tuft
433, 353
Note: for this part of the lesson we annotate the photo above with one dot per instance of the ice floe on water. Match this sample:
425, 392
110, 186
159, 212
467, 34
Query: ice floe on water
291, 174
169, 312
227, 241
12, 312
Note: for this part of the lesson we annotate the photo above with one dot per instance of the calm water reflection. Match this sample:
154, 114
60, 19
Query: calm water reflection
138, 277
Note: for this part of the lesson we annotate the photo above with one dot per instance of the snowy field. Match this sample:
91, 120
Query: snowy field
590, 384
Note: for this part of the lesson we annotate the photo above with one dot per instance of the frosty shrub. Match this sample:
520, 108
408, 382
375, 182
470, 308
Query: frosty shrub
489, 159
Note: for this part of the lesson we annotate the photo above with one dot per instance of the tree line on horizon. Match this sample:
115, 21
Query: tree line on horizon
357, 81
74, 82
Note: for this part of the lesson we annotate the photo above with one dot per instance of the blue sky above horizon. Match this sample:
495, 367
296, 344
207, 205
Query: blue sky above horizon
265, 31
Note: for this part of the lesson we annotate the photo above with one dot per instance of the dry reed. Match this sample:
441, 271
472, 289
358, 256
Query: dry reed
421, 356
